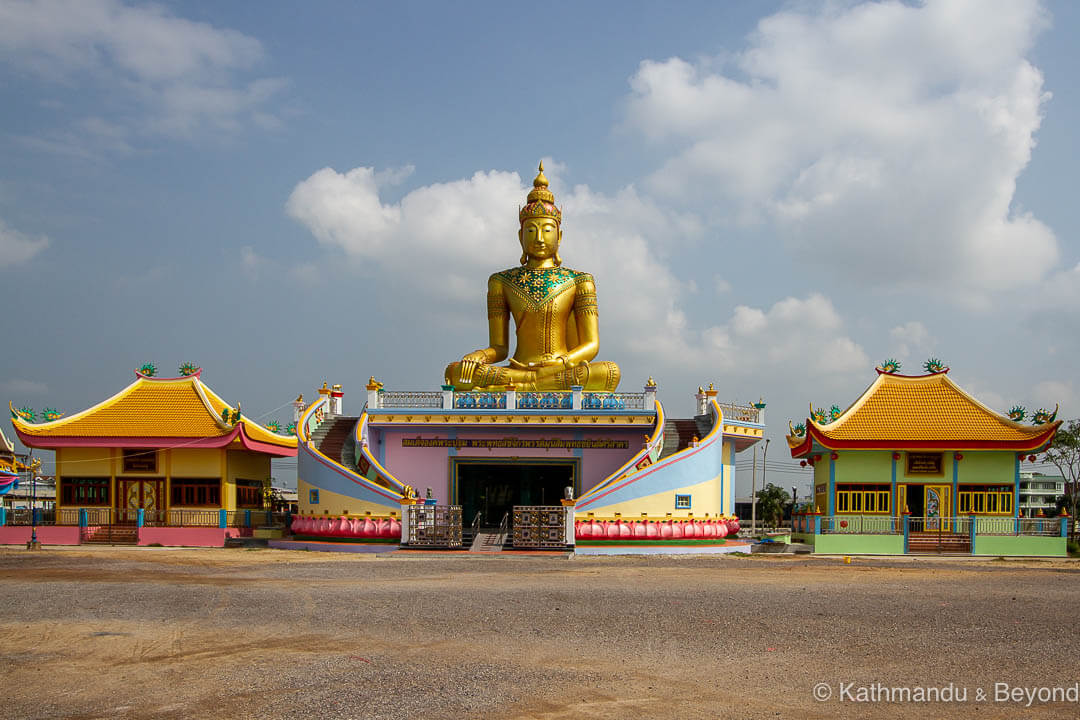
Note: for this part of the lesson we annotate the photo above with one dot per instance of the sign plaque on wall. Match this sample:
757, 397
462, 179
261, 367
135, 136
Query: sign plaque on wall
924, 463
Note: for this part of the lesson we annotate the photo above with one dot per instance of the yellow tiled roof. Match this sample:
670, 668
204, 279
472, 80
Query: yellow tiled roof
929, 408
150, 407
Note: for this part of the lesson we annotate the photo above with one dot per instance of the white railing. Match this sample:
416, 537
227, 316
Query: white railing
410, 399
740, 413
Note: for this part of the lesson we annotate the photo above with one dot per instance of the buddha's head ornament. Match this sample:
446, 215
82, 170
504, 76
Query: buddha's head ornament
540, 202
540, 215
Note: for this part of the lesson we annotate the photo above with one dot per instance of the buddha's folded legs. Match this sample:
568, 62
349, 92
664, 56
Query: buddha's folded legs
596, 376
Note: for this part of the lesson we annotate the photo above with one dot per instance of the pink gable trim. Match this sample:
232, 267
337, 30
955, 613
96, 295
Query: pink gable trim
157, 442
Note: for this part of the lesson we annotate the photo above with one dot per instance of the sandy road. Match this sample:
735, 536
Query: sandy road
148, 633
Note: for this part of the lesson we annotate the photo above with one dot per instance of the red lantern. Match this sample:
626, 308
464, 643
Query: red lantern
1031, 458
959, 456
843, 523
896, 456
802, 463
834, 456
817, 457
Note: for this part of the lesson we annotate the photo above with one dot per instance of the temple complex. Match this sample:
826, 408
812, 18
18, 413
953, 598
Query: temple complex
543, 451
916, 464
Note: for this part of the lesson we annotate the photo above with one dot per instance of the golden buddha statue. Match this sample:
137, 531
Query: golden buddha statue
554, 310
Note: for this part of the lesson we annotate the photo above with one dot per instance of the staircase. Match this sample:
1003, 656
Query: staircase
487, 541
679, 433
334, 437
942, 543
110, 535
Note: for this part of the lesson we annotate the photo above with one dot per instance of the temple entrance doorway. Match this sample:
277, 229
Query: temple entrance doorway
493, 488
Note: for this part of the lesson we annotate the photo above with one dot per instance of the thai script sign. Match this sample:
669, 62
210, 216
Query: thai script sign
513, 442
924, 463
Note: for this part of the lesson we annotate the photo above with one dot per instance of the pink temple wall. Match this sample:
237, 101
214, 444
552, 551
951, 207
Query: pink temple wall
46, 535
430, 467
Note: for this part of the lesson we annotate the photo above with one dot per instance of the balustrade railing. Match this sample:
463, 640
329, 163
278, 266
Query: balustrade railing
885, 525
741, 413
501, 400
545, 400
410, 399
177, 517
480, 400
613, 401
858, 524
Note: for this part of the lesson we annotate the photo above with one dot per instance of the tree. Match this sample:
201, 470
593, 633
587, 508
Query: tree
771, 501
1064, 454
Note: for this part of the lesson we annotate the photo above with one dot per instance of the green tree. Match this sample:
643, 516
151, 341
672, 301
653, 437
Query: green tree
1064, 454
771, 503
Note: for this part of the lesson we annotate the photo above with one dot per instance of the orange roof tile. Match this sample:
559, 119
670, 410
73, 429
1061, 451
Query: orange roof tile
152, 408
899, 410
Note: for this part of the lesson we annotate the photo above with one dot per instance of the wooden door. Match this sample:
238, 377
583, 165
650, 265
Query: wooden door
937, 506
135, 494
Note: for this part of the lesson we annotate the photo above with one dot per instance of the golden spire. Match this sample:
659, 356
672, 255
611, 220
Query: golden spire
540, 188
541, 201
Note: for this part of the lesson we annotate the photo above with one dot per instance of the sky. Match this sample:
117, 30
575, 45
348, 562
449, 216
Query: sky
772, 196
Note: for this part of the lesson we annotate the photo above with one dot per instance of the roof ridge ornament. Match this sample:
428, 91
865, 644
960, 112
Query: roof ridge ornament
889, 367
1043, 416
933, 366
146, 370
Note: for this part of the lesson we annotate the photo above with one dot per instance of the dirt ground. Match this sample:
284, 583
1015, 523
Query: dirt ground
164, 633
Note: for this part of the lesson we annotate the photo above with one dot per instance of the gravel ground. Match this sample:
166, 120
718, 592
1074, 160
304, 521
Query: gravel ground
162, 633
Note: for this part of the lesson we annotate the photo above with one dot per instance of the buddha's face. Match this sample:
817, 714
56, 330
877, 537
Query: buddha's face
540, 238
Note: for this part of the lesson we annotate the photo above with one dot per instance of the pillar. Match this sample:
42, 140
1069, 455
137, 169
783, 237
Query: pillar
650, 394
576, 393
336, 396
372, 388
298, 408
324, 392
447, 397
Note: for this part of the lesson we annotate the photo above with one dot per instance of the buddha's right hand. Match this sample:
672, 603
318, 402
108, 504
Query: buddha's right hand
470, 363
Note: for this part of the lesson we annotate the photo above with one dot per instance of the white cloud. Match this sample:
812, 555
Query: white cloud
16, 248
183, 74
910, 337
882, 140
806, 332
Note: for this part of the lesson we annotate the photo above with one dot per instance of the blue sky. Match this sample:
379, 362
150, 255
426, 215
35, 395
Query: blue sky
773, 197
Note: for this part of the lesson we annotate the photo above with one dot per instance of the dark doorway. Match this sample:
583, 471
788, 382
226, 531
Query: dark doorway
916, 500
493, 489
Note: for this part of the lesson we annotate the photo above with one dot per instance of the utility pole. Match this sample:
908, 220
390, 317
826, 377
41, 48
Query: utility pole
753, 497
764, 465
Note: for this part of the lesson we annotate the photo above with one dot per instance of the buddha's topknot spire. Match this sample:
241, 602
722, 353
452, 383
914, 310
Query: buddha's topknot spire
541, 201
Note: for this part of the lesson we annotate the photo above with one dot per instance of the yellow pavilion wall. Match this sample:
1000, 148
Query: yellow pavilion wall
243, 465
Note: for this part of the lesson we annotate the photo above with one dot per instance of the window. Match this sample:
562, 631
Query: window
682, 502
84, 491
986, 499
863, 498
205, 492
924, 463
313, 497
249, 494
140, 460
